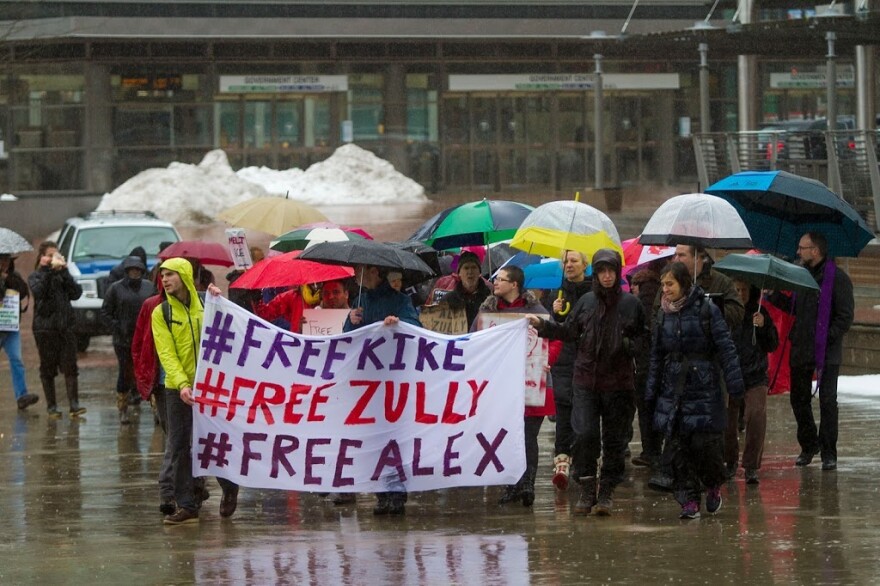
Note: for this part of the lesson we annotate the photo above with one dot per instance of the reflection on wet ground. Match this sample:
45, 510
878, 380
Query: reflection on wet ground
80, 502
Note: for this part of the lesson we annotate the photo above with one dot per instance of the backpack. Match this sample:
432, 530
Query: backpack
166, 309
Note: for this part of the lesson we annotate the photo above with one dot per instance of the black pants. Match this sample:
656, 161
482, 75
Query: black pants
600, 419
57, 352
810, 438
562, 390
652, 440
697, 462
125, 377
532, 429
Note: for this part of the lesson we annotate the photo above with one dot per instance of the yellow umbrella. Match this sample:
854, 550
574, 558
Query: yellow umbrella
557, 226
272, 215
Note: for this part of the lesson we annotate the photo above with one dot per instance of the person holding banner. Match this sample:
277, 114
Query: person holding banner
177, 327
11, 283
378, 301
606, 324
511, 297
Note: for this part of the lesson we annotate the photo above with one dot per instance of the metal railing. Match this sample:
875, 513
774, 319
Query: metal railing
845, 160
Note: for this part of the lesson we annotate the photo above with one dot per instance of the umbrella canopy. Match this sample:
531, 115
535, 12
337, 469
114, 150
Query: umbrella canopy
696, 219
207, 253
779, 207
558, 226
286, 270
355, 229
636, 254
272, 215
369, 252
767, 272
12, 242
304, 237
429, 254
473, 224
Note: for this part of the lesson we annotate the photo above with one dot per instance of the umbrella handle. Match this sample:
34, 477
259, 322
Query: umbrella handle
310, 297
565, 309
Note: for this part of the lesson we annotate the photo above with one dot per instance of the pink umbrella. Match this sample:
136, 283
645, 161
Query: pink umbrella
207, 253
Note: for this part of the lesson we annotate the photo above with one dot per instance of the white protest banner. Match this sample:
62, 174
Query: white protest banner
10, 316
323, 322
381, 408
537, 355
238, 249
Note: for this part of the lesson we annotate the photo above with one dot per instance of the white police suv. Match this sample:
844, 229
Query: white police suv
96, 242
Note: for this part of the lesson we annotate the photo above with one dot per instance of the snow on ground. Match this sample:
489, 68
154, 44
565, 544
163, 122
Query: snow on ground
858, 388
183, 193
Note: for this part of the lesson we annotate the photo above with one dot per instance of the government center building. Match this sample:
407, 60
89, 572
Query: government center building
473, 95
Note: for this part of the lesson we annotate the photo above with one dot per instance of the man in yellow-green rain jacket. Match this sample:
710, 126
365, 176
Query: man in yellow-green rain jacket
177, 327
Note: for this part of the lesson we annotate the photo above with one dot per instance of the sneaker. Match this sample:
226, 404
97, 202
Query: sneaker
76, 411
690, 510
805, 458
229, 502
53, 413
181, 517
27, 400
561, 467
168, 506
752, 476
713, 499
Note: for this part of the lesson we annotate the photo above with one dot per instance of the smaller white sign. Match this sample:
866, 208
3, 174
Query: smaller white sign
323, 322
238, 248
10, 315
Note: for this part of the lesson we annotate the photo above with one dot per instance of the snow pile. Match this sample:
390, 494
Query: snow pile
183, 193
8, 197
351, 175
858, 388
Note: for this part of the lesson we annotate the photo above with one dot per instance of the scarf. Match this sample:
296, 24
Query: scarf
823, 317
674, 306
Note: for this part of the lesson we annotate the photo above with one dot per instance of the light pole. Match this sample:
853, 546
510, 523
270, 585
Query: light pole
831, 82
705, 121
598, 132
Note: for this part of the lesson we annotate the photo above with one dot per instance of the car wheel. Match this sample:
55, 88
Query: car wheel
82, 343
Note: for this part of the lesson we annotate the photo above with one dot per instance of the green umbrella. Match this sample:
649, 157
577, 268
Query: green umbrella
767, 272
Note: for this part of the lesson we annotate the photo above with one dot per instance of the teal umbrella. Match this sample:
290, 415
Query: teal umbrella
767, 272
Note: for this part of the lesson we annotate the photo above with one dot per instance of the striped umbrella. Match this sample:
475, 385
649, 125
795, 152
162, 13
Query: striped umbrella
305, 237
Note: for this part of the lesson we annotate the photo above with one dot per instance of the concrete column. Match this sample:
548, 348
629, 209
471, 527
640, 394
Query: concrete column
831, 82
394, 100
98, 129
705, 116
865, 84
598, 130
747, 75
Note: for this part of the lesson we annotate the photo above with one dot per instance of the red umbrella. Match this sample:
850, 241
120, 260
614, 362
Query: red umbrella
207, 253
286, 270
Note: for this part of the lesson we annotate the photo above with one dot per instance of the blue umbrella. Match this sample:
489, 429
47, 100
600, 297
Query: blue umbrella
779, 207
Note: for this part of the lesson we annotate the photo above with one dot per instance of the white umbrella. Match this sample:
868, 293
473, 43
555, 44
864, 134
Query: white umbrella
13, 242
696, 219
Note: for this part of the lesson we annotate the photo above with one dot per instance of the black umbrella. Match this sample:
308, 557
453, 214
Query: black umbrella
370, 252
429, 254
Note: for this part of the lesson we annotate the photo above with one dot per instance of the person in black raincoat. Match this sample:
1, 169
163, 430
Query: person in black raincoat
53, 289
122, 304
605, 325
691, 351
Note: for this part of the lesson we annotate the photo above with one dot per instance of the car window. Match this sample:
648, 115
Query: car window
118, 241
65, 240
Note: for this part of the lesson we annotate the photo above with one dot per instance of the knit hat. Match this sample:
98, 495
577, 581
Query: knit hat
468, 257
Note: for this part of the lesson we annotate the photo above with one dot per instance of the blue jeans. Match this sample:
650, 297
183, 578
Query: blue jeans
11, 344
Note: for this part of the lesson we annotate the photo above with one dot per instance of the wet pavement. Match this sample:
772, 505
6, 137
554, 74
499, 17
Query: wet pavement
80, 503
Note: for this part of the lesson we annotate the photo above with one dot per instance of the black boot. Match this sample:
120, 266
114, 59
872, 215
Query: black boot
49, 392
528, 488
397, 503
604, 502
587, 497
71, 381
512, 492
383, 503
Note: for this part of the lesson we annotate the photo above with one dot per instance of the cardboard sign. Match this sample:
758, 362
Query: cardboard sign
10, 316
537, 355
238, 249
323, 322
444, 320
